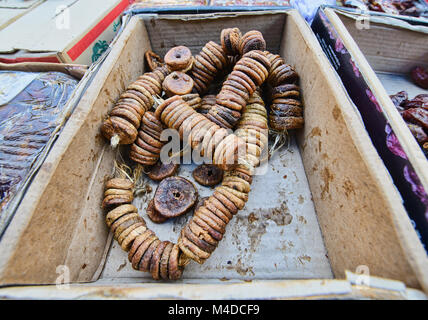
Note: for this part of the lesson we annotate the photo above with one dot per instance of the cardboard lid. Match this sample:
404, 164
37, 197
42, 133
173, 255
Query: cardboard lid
18, 4
54, 25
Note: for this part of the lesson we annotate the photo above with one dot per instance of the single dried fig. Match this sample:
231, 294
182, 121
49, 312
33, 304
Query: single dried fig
177, 83
179, 58
161, 171
175, 196
208, 175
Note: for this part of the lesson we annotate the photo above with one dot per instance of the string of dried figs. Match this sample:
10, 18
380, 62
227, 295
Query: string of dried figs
207, 65
286, 111
124, 120
145, 251
249, 73
203, 124
193, 100
201, 235
211, 141
207, 102
147, 146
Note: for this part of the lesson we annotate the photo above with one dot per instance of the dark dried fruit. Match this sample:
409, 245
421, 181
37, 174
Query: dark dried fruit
420, 101
418, 116
208, 175
154, 215
399, 98
175, 196
415, 114
420, 77
418, 132
161, 171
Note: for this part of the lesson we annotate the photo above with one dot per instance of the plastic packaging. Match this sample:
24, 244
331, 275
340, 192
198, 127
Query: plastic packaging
308, 8
33, 107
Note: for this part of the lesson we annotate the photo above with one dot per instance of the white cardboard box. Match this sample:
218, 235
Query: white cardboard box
65, 31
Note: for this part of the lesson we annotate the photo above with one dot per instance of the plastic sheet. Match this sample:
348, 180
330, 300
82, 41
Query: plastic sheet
415, 8
308, 8
33, 107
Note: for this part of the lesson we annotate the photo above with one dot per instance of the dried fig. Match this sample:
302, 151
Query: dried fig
175, 196
177, 83
161, 171
208, 175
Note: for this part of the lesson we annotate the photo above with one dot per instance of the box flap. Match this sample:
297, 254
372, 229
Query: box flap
10, 11
53, 25
18, 4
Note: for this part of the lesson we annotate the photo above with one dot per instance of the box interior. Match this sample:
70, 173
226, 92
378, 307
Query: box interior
325, 204
392, 52
277, 235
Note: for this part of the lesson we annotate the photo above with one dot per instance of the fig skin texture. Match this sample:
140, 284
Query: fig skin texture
200, 203
155, 216
175, 196
208, 175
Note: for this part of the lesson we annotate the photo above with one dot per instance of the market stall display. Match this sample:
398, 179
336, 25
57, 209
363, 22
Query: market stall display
289, 221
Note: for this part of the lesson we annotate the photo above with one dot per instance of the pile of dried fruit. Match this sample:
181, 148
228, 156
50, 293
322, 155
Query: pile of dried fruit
202, 97
415, 114
413, 8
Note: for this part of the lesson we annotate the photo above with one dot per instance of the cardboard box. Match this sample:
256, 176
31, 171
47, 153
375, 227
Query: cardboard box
335, 204
65, 31
12, 10
373, 55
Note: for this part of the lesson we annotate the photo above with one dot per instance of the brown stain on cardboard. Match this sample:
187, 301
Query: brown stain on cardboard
315, 132
240, 268
255, 232
302, 219
123, 265
252, 217
348, 188
326, 177
304, 258
335, 113
281, 216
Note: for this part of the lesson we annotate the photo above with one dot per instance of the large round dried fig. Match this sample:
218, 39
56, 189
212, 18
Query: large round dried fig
161, 171
175, 196
152, 213
179, 58
208, 175
177, 83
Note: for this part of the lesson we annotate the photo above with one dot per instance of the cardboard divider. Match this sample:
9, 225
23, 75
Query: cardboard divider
356, 204
404, 160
